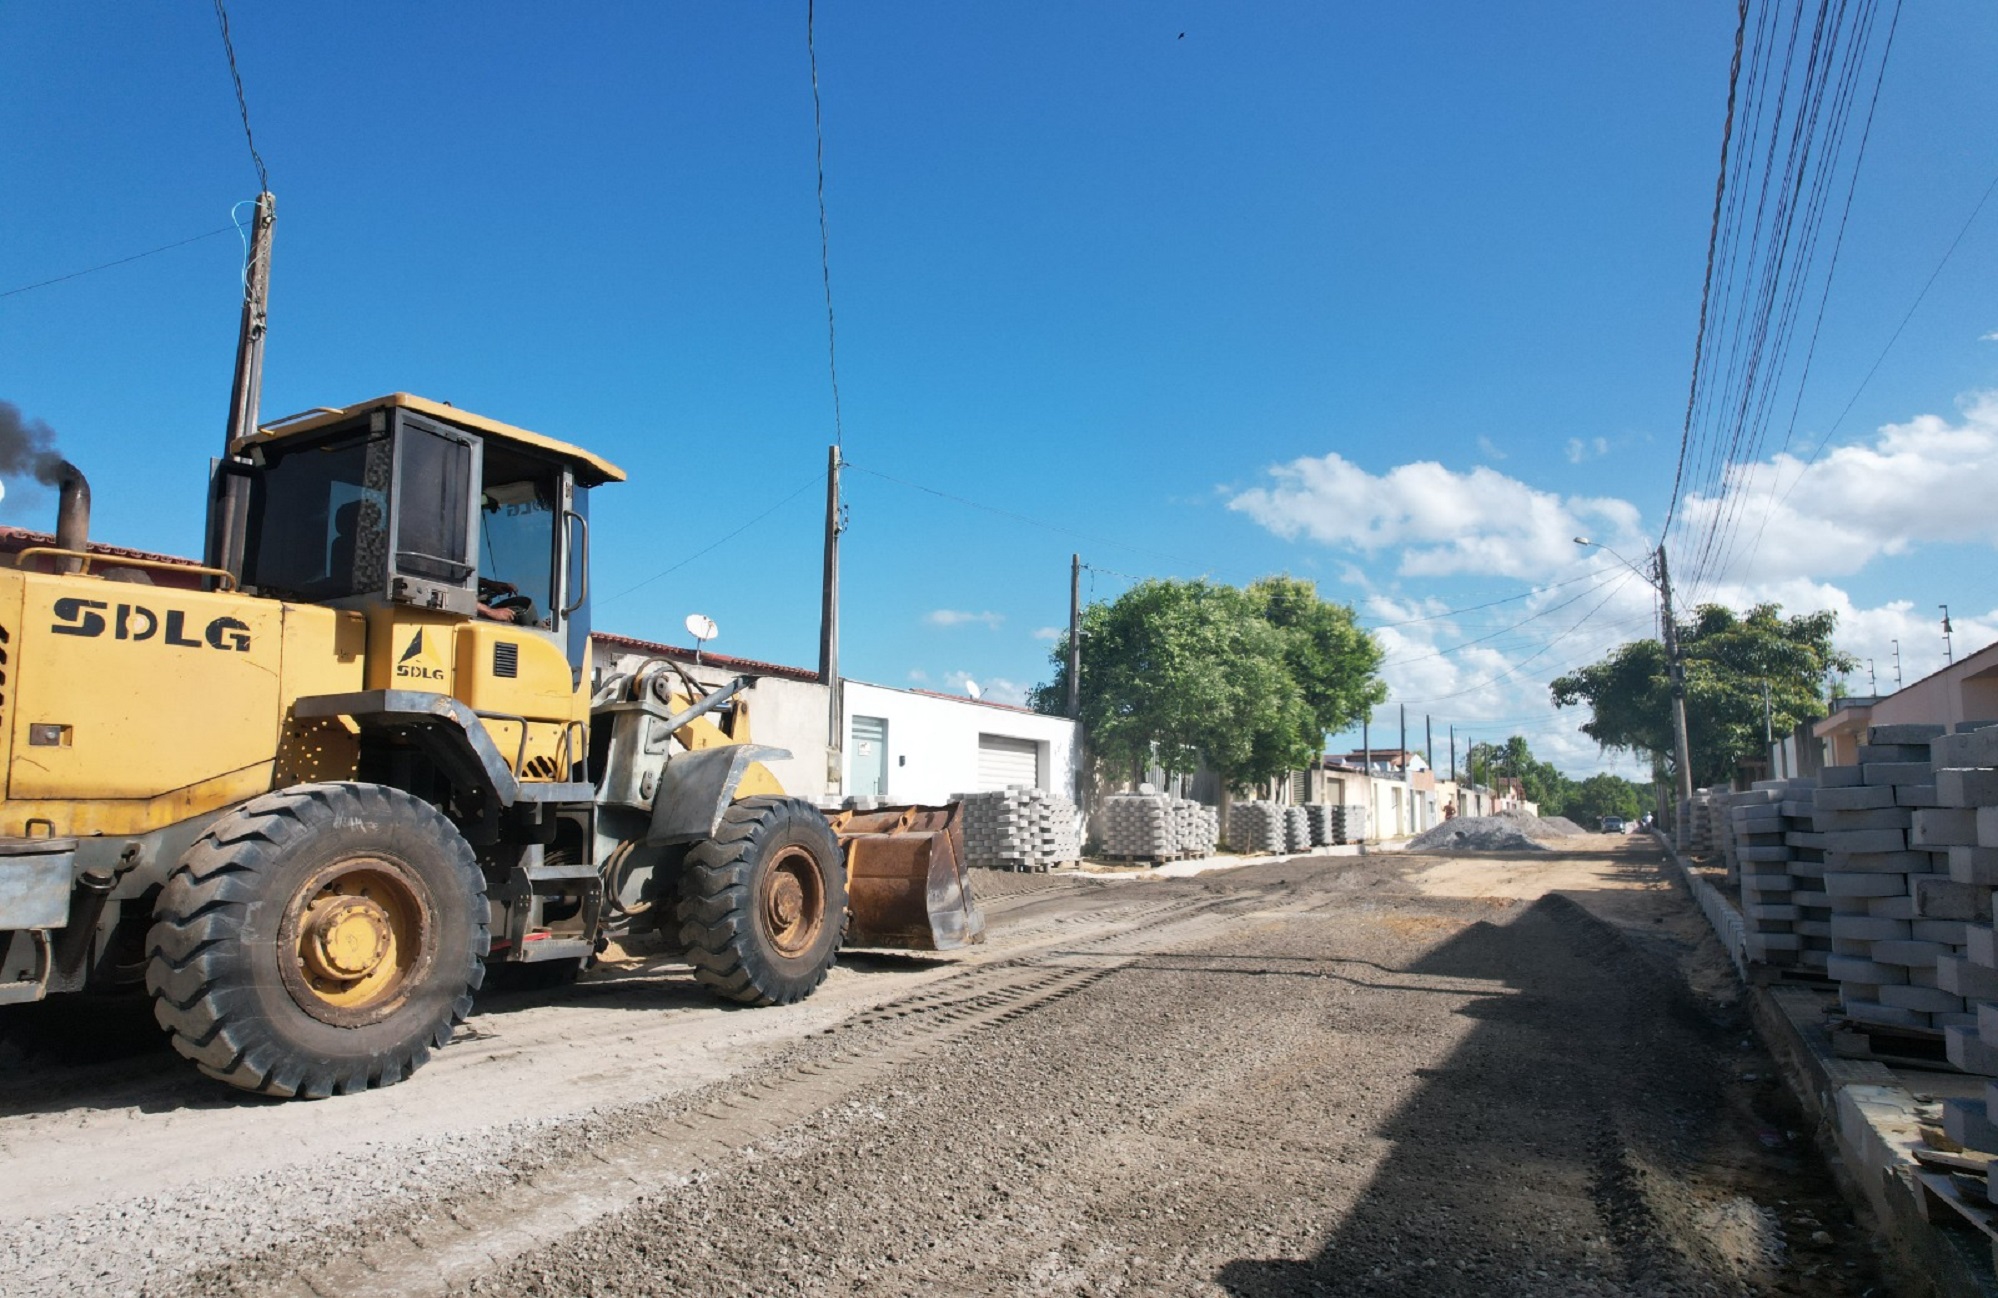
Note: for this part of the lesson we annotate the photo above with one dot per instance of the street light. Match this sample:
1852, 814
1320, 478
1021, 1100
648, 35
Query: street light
1660, 580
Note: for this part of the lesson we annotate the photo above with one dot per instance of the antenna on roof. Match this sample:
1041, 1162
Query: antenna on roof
971, 688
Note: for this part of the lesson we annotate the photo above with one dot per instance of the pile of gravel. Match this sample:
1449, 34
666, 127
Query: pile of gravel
1476, 834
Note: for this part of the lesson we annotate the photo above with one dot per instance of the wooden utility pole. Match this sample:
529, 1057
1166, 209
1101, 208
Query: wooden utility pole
829, 627
228, 503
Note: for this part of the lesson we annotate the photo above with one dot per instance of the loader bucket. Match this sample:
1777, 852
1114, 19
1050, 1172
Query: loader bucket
905, 881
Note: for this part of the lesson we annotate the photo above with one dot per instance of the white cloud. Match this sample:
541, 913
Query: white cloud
951, 617
1482, 522
1927, 481
1991, 337
917, 676
1049, 633
1594, 448
1489, 449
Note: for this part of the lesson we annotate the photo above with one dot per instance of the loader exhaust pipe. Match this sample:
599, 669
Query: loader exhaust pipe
72, 515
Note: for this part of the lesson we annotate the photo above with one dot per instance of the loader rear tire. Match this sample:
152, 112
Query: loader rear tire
763, 902
319, 941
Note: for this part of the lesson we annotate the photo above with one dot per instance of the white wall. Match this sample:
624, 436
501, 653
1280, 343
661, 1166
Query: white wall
783, 713
933, 741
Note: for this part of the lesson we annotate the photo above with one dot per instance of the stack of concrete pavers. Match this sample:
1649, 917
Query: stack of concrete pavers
1198, 827
1352, 823
1140, 825
1059, 831
1759, 858
1806, 866
1886, 874
1296, 829
1256, 827
1324, 820
1002, 827
1963, 825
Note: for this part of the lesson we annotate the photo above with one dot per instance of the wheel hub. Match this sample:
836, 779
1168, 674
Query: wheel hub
345, 937
793, 902
357, 938
787, 901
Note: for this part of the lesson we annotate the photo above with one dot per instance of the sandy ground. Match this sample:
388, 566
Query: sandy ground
1506, 1074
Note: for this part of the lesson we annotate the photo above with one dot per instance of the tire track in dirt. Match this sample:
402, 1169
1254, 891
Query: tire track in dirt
452, 1242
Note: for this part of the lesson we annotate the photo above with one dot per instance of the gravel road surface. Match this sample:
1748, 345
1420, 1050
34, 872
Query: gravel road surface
1393, 1074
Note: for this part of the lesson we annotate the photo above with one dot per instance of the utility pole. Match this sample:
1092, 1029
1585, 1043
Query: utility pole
1949, 646
1404, 743
228, 502
1367, 765
1681, 749
1872, 681
1074, 636
1897, 666
1769, 717
1453, 752
1429, 742
829, 627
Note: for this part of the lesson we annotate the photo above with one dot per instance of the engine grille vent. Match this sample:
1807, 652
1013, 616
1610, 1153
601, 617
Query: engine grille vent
506, 658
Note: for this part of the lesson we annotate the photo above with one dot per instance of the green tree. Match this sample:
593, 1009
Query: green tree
1603, 794
1177, 672
1542, 783
1729, 658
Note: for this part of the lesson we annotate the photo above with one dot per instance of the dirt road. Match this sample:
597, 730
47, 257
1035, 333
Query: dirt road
1391, 1074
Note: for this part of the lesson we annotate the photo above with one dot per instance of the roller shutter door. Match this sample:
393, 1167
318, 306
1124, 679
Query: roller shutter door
1004, 761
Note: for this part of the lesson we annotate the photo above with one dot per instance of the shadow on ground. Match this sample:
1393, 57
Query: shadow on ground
1592, 1135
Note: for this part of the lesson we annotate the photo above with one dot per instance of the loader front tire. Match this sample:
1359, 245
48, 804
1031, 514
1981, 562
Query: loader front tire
763, 902
319, 941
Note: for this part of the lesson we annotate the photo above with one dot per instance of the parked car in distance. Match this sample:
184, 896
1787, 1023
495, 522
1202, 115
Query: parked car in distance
1615, 825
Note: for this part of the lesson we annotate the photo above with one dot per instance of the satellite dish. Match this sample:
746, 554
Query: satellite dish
701, 626
971, 688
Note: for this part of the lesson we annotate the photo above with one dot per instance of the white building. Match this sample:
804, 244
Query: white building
919, 746
901, 745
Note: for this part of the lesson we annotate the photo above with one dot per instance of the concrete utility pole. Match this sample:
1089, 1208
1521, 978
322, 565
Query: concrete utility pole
1074, 636
1404, 743
1769, 717
1429, 742
1949, 645
829, 627
1682, 751
1453, 752
228, 501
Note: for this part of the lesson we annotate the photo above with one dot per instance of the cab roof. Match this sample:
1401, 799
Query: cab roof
591, 470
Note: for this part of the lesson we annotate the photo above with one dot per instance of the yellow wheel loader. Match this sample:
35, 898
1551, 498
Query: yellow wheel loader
307, 799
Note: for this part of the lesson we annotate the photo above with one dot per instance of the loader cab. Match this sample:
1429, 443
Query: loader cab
408, 506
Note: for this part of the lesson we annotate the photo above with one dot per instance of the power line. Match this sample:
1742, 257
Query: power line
92, 270
719, 542
825, 241
1517, 667
1713, 237
1896, 336
242, 104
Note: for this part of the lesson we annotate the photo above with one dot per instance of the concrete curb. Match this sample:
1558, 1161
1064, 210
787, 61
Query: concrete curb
1868, 1122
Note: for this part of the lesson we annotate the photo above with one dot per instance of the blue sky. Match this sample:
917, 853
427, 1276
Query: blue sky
1135, 286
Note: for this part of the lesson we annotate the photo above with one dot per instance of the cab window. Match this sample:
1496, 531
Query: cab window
518, 510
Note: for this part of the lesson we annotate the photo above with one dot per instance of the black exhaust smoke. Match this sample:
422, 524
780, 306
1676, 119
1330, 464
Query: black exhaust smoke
27, 449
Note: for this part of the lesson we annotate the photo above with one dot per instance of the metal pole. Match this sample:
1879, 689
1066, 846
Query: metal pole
1897, 666
1949, 646
829, 628
246, 390
1681, 749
